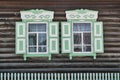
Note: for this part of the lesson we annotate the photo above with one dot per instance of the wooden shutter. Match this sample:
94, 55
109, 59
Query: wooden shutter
53, 37
98, 37
20, 38
66, 37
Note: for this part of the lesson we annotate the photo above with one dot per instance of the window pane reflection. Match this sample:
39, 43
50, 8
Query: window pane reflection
42, 39
87, 48
77, 49
87, 38
82, 37
37, 27
77, 38
81, 27
32, 39
42, 49
37, 37
32, 49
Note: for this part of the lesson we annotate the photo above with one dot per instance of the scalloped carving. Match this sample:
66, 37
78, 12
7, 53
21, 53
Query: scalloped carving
36, 14
81, 14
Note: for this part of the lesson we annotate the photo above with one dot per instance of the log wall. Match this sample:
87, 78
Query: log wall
109, 13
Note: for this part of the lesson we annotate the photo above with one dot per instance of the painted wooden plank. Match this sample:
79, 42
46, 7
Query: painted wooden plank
100, 76
81, 76
78, 76
45, 76
90, 76
96, 76
1, 74
106, 76
38, 76
28, 76
42, 78
62, 76
18, 76
118, 76
15, 76
65, 76
68, 74
112, 76
59, 76
8, 76
48, 76
11, 76
24, 76
75, 77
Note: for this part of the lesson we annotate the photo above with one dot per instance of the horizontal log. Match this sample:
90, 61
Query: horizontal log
8, 55
111, 39
2, 50
75, 59
65, 70
59, 64
97, 3
7, 39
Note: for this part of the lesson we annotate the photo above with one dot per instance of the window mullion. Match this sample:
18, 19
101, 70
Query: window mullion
37, 43
82, 40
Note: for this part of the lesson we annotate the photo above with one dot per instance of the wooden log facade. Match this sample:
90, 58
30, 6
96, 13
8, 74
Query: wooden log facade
109, 13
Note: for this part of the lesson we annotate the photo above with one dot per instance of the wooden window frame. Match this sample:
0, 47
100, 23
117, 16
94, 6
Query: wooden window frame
83, 52
37, 38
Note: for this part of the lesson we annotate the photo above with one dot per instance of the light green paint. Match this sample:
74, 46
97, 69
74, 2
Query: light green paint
98, 29
81, 14
21, 30
53, 30
37, 16
66, 29
54, 36
21, 45
98, 44
86, 16
100, 41
54, 45
66, 45
66, 37
20, 37
60, 76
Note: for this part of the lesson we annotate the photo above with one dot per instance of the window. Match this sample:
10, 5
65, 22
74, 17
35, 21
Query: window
37, 37
82, 37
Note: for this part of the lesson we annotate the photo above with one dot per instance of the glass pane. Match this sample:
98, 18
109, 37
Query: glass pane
32, 39
87, 48
77, 38
32, 28
37, 27
77, 49
87, 38
81, 27
41, 27
42, 39
32, 49
42, 49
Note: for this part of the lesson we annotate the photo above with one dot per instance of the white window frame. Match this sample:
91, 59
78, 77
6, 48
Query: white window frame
37, 38
82, 37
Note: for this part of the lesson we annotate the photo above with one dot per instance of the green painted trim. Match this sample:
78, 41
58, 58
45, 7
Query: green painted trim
37, 14
93, 54
81, 14
19, 37
37, 55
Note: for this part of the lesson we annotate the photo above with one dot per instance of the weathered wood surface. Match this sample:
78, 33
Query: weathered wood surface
109, 13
